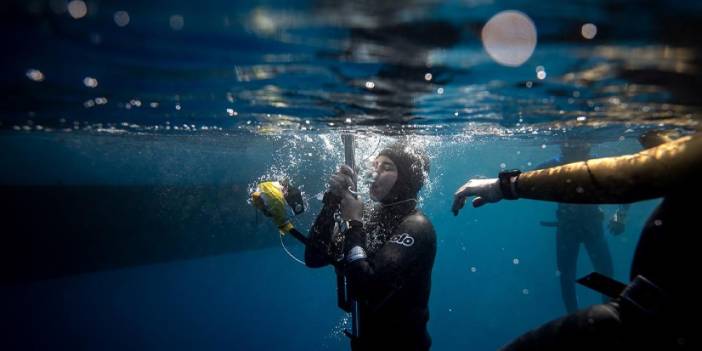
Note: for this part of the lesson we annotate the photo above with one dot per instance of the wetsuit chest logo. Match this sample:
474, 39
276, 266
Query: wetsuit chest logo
402, 239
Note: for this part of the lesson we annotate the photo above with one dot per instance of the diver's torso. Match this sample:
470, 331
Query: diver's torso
400, 312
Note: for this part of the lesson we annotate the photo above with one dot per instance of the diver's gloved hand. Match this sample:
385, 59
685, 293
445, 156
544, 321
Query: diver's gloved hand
342, 184
484, 190
342, 181
616, 223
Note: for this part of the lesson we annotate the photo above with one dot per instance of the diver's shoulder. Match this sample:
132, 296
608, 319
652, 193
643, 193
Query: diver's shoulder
418, 223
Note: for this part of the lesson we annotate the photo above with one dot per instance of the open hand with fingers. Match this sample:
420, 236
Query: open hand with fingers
484, 190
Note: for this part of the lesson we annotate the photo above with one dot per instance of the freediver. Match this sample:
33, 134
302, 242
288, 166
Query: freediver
657, 308
578, 224
388, 259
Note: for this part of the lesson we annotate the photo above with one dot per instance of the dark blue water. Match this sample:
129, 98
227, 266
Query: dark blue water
128, 153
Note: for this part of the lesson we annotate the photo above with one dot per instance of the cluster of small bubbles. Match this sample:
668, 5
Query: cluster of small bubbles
135, 103
35, 75
232, 113
370, 85
428, 77
121, 18
77, 9
581, 118
176, 22
347, 121
90, 82
101, 100
337, 331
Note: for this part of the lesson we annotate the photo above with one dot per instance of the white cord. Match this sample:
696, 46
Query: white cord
288, 252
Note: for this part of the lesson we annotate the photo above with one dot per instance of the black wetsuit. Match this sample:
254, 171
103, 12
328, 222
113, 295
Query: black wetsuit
666, 255
394, 282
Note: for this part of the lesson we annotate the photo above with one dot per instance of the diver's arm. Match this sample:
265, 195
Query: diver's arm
321, 233
648, 174
409, 244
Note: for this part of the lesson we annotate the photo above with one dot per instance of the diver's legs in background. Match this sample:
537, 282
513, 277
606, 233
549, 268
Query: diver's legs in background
566, 260
597, 249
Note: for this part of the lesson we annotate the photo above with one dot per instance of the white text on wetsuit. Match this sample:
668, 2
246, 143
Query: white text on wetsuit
402, 239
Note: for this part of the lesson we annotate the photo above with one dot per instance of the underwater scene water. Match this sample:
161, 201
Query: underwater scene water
132, 133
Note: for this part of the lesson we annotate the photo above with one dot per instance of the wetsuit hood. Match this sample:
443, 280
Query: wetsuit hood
412, 168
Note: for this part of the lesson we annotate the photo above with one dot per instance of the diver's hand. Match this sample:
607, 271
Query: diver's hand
351, 207
343, 181
342, 184
484, 190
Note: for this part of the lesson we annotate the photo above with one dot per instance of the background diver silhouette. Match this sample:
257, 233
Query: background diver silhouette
578, 224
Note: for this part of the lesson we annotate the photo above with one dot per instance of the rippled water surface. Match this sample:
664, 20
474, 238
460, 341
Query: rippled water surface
268, 66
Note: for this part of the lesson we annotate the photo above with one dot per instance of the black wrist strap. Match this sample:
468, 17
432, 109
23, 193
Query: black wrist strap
508, 183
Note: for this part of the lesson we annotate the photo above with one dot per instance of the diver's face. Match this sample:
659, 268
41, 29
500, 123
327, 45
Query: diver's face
385, 174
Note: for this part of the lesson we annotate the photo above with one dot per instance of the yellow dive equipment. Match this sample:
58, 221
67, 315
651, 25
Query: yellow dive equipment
269, 197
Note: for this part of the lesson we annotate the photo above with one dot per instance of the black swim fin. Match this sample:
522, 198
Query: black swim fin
602, 284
